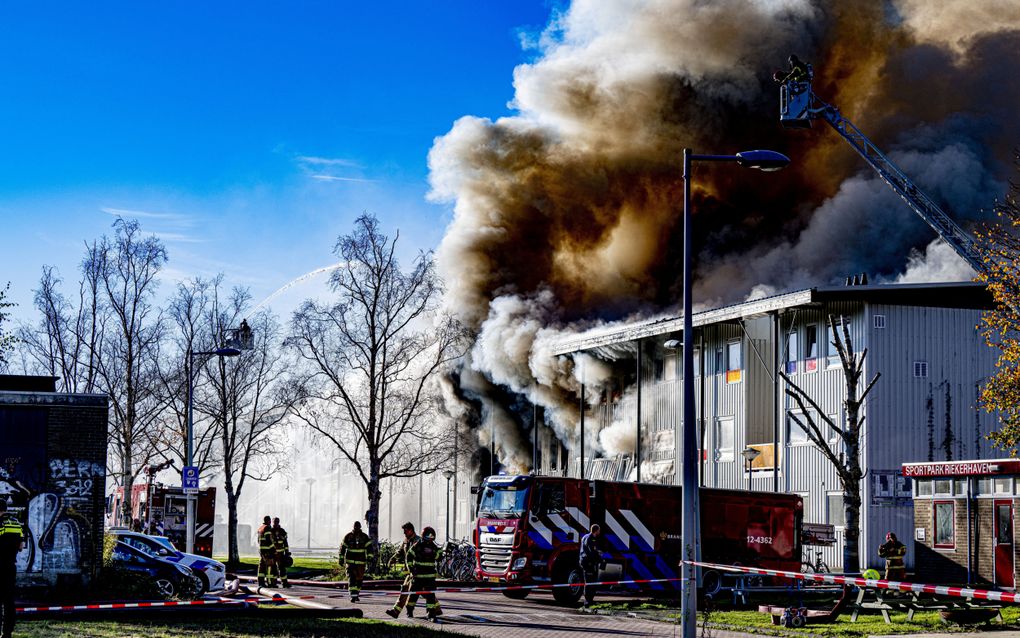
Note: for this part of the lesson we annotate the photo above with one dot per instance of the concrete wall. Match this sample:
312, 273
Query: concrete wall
53, 473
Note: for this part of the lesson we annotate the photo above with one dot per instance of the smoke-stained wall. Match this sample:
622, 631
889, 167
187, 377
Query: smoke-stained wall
53, 475
566, 214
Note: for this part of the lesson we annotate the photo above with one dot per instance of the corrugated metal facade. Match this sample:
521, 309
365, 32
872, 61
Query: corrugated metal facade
900, 414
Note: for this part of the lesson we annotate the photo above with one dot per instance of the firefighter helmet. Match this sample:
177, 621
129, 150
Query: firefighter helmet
428, 533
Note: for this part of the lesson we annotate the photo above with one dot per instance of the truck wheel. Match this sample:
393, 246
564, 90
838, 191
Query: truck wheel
568, 595
516, 594
711, 583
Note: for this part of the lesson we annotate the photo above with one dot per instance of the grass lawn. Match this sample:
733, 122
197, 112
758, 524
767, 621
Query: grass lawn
268, 623
870, 624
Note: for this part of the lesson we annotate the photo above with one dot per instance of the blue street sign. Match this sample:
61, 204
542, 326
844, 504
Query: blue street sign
189, 479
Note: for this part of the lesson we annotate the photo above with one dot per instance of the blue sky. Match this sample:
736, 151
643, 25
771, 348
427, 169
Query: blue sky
247, 135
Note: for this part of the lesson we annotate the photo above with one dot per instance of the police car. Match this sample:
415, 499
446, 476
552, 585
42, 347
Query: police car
211, 572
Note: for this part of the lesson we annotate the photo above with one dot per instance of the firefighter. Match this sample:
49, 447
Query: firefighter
356, 552
798, 70
421, 562
400, 558
590, 560
283, 559
267, 553
12, 540
893, 552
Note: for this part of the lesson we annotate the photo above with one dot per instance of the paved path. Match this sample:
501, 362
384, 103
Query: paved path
492, 615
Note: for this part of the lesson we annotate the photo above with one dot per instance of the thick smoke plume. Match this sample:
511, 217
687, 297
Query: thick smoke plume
568, 213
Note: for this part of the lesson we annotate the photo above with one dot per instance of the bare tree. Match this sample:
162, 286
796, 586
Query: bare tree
67, 341
188, 316
371, 359
7, 340
847, 460
254, 402
126, 269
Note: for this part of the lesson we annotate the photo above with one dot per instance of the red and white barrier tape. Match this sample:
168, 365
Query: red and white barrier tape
281, 598
879, 583
137, 605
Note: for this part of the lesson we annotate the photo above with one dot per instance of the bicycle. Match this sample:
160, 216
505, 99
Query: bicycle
817, 567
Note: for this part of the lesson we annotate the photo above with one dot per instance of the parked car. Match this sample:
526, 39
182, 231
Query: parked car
211, 573
171, 579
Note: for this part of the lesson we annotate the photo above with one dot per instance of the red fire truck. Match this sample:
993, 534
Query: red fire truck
529, 530
168, 514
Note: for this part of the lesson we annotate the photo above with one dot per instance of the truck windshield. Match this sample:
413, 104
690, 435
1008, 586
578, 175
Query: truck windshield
503, 502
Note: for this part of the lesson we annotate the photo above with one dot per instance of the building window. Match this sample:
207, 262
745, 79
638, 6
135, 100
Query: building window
1003, 485
808, 516
724, 439
960, 487
697, 362
666, 367
943, 487
832, 360
838, 420
880, 322
811, 348
791, 352
984, 486
920, 369
945, 524
733, 362
834, 507
720, 364
923, 487
795, 434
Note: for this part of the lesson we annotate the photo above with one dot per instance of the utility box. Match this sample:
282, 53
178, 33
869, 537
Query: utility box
53, 476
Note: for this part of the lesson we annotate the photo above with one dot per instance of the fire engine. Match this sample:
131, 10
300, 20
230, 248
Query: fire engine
529, 530
167, 515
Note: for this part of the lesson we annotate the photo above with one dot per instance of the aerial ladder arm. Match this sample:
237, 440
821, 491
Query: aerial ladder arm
799, 106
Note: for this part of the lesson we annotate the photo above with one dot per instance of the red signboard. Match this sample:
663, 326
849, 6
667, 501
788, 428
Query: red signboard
962, 468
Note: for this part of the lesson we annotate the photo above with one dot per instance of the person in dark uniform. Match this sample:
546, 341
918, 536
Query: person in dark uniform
267, 553
400, 558
798, 70
356, 554
283, 559
893, 551
590, 560
12, 540
421, 562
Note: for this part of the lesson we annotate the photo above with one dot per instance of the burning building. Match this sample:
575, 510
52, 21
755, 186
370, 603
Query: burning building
565, 215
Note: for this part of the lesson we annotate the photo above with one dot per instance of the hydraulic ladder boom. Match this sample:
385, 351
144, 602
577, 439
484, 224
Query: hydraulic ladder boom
799, 105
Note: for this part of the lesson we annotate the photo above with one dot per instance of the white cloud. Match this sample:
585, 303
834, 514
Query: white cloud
336, 178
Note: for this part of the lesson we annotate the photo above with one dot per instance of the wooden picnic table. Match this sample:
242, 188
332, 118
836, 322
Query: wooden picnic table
910, 602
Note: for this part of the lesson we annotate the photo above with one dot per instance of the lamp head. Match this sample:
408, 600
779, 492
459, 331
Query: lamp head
672, 344
763, 160
750, 454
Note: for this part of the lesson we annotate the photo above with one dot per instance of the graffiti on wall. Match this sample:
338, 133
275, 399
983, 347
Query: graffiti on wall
56, 530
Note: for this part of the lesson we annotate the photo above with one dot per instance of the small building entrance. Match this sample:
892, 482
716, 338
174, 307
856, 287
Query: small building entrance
1003, 542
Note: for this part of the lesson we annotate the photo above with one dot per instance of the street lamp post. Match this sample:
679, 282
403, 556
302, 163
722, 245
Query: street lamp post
750, 454
240, 339
762, 160
449, 475
308, 543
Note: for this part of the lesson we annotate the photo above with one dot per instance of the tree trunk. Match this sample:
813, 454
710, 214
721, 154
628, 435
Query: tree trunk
127, 479
852, 527
233, 555
374, 497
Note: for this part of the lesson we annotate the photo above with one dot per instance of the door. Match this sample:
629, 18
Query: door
1003, 543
